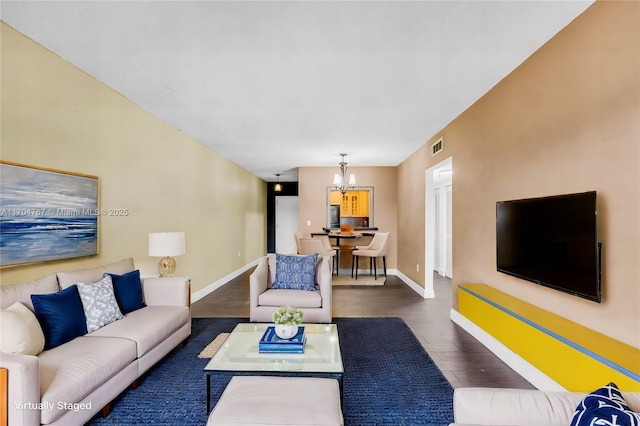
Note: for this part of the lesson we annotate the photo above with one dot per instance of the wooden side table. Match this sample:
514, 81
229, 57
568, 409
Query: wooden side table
4, 395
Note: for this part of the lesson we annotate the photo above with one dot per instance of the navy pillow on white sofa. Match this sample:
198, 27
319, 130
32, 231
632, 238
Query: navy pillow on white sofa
128, 290
605, 406
61, 316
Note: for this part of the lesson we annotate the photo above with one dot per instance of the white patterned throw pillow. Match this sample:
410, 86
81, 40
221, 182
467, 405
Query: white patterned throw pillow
99, 303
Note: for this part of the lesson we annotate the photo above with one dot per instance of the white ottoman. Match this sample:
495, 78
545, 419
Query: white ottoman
266, 400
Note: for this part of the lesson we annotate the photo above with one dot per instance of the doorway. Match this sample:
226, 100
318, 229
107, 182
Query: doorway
438, 223
286, 224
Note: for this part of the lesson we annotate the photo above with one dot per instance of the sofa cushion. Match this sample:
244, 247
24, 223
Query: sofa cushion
296, 272
91, 275
21, 332
70, 372
147, 327
297, 298
10, 294
128, 291
99, 303
605, 406
60, 315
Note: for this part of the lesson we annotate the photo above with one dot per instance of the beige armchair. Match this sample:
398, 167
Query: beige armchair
264, 300
376, 248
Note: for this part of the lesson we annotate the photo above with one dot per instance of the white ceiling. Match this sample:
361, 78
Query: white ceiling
274, 85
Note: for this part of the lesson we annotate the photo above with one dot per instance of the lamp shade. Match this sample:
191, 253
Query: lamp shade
166, 244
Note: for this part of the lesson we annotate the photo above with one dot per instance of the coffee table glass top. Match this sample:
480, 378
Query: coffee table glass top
240, 352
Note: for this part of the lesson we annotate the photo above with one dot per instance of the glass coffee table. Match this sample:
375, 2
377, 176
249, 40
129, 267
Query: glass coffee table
239, 355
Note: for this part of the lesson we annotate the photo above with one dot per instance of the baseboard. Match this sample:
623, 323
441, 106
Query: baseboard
415, 286
222, 281
534, 376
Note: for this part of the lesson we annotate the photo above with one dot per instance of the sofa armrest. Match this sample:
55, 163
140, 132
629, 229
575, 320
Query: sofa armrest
258, 281
326, 289
495, 406
167, 291
23, 388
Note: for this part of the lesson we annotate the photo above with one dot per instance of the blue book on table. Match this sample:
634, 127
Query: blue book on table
270, 342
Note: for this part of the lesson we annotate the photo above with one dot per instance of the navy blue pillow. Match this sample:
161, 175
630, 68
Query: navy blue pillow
61, 316
128, 290
605, 406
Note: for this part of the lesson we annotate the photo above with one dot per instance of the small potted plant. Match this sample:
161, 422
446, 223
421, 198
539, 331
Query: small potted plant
287, 320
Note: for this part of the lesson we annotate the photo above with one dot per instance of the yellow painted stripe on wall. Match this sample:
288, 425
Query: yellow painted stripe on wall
617, 352
570, 354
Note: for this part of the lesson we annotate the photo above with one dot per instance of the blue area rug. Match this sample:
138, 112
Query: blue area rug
389, 379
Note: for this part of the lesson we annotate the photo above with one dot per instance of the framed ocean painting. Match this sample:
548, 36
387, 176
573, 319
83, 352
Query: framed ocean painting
46, 214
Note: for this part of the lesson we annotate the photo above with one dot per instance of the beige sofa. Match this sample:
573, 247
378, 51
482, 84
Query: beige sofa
493, 406
70, 383
264, 300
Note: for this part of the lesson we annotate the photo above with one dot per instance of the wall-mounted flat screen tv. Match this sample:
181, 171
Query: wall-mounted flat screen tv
551, 241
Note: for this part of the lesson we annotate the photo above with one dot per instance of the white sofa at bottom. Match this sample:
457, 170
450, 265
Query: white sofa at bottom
520, 407
78, 378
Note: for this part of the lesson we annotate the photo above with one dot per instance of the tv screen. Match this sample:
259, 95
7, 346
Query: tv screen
551, 241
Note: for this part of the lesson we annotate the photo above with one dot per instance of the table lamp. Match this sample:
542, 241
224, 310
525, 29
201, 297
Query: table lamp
165, 245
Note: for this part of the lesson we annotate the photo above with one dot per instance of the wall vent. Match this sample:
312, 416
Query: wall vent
437, 147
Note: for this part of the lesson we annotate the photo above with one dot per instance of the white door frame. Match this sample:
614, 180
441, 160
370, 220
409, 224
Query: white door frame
438, 254
448, 238
429, 225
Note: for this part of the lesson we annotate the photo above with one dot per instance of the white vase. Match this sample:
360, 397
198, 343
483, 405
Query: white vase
286, 331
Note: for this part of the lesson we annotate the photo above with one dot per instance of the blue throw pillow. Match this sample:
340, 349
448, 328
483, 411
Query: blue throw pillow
296, 272
61, 316
605, 406
128, 291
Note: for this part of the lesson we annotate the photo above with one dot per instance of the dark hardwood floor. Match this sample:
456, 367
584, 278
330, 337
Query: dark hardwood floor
462, 359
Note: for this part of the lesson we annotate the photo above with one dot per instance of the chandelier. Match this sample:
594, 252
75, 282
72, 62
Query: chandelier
340, 179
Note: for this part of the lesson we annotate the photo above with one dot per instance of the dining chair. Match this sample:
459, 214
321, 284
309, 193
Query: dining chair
333, 251
376, 248
315, 245
298, 236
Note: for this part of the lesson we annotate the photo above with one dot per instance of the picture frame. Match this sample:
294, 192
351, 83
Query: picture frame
46, 214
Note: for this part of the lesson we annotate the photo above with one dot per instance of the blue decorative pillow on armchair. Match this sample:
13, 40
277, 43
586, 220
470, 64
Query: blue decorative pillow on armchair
605, 406
296, 272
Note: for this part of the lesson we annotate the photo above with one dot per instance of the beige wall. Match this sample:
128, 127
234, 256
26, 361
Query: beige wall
567, 120
55, 116
312, 199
